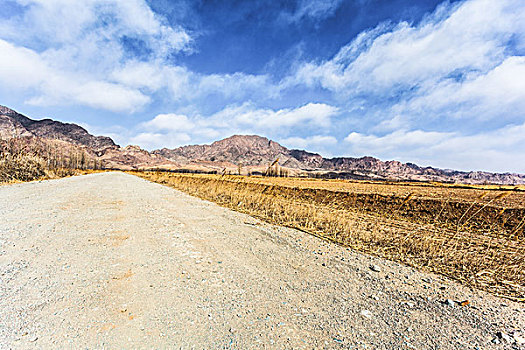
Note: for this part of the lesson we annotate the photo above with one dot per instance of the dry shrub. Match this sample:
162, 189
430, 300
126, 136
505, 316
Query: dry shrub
33, 158
21, 168
469, 242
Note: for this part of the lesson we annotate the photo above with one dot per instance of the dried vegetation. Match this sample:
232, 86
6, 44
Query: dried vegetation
472, 234
31, 158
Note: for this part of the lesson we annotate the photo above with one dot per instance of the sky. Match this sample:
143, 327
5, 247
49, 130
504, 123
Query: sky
423, 81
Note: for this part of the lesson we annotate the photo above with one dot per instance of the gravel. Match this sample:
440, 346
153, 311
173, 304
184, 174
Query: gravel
113, 261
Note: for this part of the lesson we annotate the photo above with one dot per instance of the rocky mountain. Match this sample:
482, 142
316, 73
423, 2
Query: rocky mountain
133, 157
248, 150
14, 124
256, 151
251, 152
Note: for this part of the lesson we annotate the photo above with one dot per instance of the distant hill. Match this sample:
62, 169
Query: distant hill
14, 124
250, 152
257, 151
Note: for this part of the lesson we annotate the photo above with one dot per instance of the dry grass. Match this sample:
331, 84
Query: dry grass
473, 235
31, 158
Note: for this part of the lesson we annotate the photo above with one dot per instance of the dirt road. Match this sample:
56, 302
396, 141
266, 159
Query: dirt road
113, 261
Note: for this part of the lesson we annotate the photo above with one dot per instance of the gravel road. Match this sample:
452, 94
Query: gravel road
113, 261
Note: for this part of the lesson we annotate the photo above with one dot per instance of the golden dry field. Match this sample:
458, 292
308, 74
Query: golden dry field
473, 234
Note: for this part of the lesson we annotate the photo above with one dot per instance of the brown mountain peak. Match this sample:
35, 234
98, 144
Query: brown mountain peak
14, 124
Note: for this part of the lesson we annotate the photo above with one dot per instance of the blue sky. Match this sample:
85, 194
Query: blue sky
430, 82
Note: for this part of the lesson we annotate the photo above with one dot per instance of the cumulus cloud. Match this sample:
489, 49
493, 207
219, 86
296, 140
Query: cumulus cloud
494, 150
170, 122
177, 129
67, 49
448, 90
399, 139
73, 25
317, 115
469, 50
500, 93
23, 68
107, 54
185, 85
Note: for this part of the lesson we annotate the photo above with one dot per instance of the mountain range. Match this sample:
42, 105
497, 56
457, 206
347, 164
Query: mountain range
245, 153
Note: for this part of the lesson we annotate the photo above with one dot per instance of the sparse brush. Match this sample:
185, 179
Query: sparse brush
31, 158
21, 168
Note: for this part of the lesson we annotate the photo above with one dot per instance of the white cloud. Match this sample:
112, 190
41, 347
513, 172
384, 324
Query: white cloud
400, 139
25, 69
140, 75
503, 148
500, 93
447, 91
64, 51
170, 130
64, 23
317, 143
75, 52
466, 50
173, 122
313, 9
152, 141
316, 115
185, 85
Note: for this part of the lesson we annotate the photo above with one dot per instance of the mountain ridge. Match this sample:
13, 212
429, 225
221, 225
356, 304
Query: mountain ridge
230, 150
48, 128
252, 153
14, 124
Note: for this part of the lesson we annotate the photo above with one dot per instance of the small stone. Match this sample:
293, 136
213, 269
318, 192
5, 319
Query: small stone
504, 336
450, 302
33, 339
496, 341
519, 340
366, 313
375, 268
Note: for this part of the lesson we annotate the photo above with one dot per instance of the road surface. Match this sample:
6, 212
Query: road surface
113, 261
